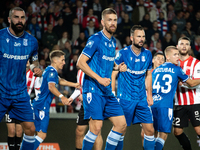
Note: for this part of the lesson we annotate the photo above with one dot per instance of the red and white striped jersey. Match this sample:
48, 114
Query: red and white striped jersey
32, 82
189, 96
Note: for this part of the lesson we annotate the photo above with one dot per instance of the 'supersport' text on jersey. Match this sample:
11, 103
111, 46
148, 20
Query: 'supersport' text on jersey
102, 51
14, 53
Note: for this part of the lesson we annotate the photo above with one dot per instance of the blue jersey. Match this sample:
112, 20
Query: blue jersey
131, 84
165, 79
101, 51
45, 96
14, 53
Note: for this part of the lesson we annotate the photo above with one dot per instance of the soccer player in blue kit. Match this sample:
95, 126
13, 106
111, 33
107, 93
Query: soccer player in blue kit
131, 91
97, 61
42, 102
165, 81
16, 47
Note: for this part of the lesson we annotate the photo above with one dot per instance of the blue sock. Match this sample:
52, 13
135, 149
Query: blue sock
27, 142
38, 140
89, 140
112, 140
149, 142
159, 144
120, 143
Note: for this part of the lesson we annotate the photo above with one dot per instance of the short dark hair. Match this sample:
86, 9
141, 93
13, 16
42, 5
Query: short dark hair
15, 8
184, 38
158, 53
56, 53
136, 27
108, 11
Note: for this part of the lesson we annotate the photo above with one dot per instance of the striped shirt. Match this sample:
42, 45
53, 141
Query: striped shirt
189, 96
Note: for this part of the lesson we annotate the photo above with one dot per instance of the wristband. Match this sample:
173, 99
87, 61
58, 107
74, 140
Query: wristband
32, 66
60, 96
113, 92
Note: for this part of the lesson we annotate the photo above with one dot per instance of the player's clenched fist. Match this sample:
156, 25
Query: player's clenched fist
104, 81
122, 67
64, 100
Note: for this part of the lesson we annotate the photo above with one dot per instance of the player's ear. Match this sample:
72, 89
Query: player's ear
9, 20
102, 22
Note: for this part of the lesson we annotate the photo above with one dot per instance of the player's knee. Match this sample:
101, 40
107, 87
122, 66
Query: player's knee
177, 132
79, 132
11, 132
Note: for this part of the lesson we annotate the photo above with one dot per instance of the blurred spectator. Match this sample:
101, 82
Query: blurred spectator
124, 27
68, 17
139, 12
97, 8
170, 14
42, 20
121, 17
89, 17
187, 16
126, 42
29, 12
178, 5
68, 51
18, 3
55, 47
174, 33
190, 9
146, 23
76, 29
146, 45
118, 45
44, 54
162, 24
154, 40
35, 6
167, 41
197, 45
80, 42
196, 23
79, 10
119, 6
158, 48
62, 41
152, 31
53, 15
149, 4
59, 28
43, 4
188, 32
49, 38
154, 12
90, 29
34, 28
42, 64
2, 23
179, 21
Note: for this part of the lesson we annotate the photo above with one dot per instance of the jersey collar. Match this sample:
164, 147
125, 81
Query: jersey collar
106, 36
14, 35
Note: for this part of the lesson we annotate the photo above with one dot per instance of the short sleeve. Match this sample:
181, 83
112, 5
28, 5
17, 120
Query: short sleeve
196, 74
35, 51
119, 58
181, 74
51, 77
150, 62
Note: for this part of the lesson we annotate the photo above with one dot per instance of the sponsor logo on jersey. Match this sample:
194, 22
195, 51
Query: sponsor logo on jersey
17, 44
25, 42
106, 44
137, 60
157, 97
89, 44
108, 58
7, 40
165, 70
131, 58
136, 72
15, 57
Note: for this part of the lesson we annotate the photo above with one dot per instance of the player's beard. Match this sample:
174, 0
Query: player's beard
137, 45
184, 53
109, 30
16, 29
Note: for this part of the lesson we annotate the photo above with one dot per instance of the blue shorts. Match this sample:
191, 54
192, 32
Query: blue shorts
19, 109
136, 111
100, 107
41, 120
163, 118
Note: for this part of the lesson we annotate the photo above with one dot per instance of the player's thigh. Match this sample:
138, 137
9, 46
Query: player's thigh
4, 104
180, 119
112, 107
194, 114
143, 113
81, 130
128, 109
93, 104
41, 120
21, 109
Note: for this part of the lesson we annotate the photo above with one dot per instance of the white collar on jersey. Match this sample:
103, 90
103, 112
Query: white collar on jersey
106, 36
14, 35
53, 67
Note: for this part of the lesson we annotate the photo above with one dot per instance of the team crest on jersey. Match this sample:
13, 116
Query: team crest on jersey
25, 42
89, 97
52, 75
7, 40
89, 44
117, 57
143, 59
42, 114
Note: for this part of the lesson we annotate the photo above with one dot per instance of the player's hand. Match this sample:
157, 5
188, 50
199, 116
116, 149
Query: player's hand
37, 72
122, 67
77, 85
150, 100
104, 81
180, 83
70, 101
64, 100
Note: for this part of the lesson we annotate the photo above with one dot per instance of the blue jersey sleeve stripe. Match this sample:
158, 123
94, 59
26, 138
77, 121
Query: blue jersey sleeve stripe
186, 79
86, 54
52, 82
